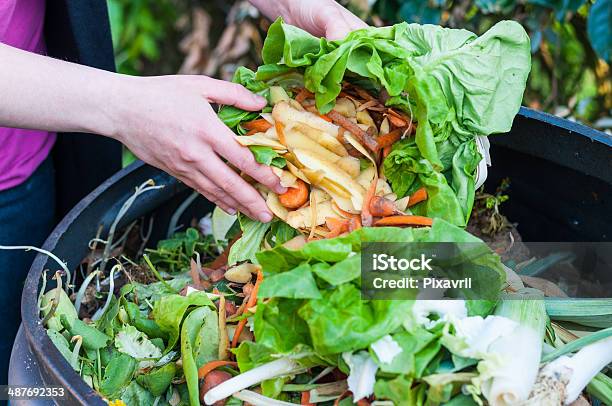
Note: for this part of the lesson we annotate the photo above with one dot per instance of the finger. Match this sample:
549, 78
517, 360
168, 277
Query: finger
339, 22
244, 160
216, 195
351, 19
228, 93
249, 200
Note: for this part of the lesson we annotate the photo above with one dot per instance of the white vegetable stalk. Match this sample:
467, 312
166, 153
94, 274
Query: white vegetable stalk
274, 369
255, 399
517, 354
570, 375
362, 376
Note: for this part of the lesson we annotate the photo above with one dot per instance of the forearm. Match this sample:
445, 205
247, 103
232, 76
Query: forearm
39, 92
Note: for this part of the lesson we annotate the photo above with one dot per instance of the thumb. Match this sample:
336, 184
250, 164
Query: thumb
233, 94
336, 26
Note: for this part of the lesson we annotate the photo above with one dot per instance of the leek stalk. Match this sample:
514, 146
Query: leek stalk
515, 357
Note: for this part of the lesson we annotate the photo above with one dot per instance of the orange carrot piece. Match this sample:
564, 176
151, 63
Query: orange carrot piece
212, 365
354, 223
397, 121
390, 138
324, 117
303, 95
305, 399
386, 151
294, 197
336, 226
261, 125
366, 216
383, 207
250, 303
404, 220
280, 133
417, 197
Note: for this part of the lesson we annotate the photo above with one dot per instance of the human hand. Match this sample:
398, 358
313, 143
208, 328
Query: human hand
318, 17
167, 121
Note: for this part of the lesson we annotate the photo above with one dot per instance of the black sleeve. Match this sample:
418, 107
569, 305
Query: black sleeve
79, 31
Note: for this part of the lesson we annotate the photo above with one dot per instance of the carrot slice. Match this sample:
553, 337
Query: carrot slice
280, 133
305, 399
294, 197
396, 121
212, 365
354, 223
403, 220
250, 303
324, 117
383, 207
260, 125
390, 138
417, 197
336, 226
386, 151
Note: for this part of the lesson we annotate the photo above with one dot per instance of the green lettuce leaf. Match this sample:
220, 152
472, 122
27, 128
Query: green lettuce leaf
295, 284
247, 246
169, 311
267, 156
341, 321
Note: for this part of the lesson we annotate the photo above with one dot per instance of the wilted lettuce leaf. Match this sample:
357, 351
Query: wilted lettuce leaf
278, 326
341, 321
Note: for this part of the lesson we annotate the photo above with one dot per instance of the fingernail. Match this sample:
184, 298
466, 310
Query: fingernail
265, 217
281, 189
259, 99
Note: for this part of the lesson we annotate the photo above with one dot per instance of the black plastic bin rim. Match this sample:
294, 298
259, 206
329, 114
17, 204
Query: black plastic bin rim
35, 332
571, 126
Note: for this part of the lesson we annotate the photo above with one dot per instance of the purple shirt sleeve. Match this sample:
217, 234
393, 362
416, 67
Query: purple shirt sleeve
22, 151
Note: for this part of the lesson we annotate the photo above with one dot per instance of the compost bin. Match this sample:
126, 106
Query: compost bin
561, 190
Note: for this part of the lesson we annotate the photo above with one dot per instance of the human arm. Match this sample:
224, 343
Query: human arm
167, 121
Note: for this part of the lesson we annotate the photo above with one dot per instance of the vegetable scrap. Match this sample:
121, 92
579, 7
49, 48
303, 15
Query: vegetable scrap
374, 138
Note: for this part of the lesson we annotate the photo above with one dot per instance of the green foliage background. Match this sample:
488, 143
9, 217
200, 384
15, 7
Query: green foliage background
571, 40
